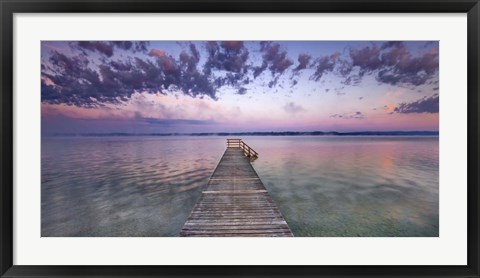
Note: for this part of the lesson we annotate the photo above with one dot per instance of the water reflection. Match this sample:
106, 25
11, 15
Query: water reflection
353, 186
123, 186
324, 186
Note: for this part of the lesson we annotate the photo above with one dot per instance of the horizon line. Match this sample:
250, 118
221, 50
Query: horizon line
256, 133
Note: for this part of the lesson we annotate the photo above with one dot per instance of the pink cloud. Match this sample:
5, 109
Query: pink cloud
156, 53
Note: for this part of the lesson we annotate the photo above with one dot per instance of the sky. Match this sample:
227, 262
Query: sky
238, 86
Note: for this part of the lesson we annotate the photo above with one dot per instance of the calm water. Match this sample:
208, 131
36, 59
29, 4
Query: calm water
324, 186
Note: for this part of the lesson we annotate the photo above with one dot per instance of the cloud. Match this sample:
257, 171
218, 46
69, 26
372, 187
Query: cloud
389, 108
235, 46
366, 59
226, 63
391, 63
125, 45
156, 53
394, 64
355, 115
102, 47
352, 80
230, 56
173, 112
303, 62
121, 66
293, 108
423, 105
107, 48
141, 46
274, 59
75, 81
138, 46
75, 77
324, 65
392, 44
294, 82
69, 78
241, 91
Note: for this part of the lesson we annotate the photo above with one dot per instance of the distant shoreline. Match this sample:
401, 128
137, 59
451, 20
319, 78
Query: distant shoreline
283, 133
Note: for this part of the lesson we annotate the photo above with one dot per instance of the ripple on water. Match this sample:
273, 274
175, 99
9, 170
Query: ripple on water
324, 186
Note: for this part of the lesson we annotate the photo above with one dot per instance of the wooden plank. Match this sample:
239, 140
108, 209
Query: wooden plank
233, 192
235, 203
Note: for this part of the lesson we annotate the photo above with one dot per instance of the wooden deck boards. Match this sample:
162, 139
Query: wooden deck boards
235, 203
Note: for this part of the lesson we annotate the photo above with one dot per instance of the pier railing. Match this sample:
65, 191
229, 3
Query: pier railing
238, 143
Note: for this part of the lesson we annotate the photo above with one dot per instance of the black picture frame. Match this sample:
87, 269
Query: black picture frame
10, 7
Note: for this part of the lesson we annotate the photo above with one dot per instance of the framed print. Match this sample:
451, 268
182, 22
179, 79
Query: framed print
215, 138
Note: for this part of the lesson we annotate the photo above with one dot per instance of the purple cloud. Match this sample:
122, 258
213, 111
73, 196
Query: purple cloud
274, 59
293, 108
230, 56
78, 78
102, 47
324, 65
394, 64
72, 81
423, 105
303, 62
107, 48
356, 115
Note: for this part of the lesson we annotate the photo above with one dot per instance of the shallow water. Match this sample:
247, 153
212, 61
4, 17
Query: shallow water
324, 186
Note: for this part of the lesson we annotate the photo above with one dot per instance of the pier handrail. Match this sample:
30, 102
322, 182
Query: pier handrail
238, 143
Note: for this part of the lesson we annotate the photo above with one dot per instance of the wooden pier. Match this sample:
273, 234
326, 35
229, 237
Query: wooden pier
235, 202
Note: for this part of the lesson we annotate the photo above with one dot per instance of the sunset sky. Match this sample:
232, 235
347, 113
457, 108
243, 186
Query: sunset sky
190, 87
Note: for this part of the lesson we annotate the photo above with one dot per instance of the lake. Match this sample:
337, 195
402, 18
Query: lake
325, 186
